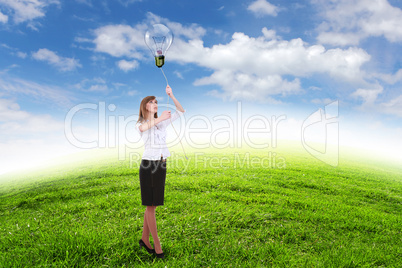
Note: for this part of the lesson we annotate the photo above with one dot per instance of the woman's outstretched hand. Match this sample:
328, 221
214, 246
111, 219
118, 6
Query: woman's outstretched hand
169, 91
165, 115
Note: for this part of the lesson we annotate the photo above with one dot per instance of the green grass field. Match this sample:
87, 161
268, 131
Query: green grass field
221, 210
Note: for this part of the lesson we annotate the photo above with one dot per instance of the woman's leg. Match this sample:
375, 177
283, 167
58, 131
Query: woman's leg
151, 220
145, 231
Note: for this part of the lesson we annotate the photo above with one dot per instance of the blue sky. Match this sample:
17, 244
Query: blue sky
275, 57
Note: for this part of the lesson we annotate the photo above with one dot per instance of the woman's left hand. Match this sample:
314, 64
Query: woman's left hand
169, 91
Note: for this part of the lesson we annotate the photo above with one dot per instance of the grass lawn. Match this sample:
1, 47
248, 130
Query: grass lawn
223, 208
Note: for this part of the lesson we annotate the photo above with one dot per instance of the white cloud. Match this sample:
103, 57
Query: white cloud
253, 68
61, 63
6, 46
193, 31
15, 122
339, 39
126, 3
127, 65
373, 104
394, 106
3, 18
82, 39
34, 25
120, 40
126, 41
27, 10
9, 110
391, 78
85, 2
262, 56
249, 86
315, 88
324, 101
95, 84
15, 51
132, 93
21, 55
101, 88
369, 96
347, 22
118, 85
269, 34
39, 92
178, 74
246, 67
262, 8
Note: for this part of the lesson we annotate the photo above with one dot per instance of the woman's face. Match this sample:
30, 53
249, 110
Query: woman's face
152, 106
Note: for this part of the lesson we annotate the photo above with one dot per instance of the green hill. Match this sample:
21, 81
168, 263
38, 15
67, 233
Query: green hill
223, 208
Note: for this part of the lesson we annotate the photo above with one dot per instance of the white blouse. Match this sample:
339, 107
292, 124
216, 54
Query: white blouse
155, 139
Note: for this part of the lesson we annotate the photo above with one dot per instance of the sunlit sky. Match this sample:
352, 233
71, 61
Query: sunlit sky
273, 57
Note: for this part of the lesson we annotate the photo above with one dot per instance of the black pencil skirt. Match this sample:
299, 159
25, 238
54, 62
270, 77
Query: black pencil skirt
152, 182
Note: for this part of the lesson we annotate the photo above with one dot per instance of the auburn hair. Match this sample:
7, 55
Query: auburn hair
143, 108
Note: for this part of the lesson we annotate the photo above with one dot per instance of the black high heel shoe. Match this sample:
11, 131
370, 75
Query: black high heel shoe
150, 250
160, 255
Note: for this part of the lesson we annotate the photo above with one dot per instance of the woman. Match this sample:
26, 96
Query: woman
153, 165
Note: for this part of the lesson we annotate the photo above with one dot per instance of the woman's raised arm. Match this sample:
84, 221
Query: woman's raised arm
176, 102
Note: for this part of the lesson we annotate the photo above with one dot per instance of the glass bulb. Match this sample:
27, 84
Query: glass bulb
158, 38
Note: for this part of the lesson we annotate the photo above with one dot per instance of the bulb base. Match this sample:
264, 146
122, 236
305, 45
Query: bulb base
159, 61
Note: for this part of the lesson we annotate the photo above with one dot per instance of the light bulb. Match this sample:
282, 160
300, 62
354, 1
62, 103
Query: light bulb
158, 39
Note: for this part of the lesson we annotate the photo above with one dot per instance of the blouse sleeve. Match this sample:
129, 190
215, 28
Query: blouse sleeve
137, 127
176, 115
